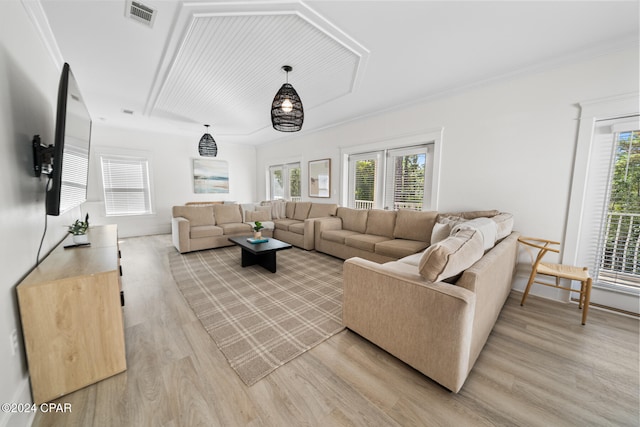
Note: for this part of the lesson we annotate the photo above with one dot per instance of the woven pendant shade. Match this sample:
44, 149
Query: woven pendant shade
287, 113
207, 146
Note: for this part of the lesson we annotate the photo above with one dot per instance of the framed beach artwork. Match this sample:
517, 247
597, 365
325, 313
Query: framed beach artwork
210, 176
320, 178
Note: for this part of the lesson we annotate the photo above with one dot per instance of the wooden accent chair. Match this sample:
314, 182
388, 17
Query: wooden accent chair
559, 271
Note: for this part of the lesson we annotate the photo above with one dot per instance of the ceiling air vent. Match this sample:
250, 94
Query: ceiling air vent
140, 12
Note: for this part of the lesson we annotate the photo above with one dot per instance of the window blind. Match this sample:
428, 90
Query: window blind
363, 180
126, 185
610, 237
406, 169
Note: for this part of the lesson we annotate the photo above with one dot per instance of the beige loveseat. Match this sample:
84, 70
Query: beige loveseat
434, 310
297, 225
195, 227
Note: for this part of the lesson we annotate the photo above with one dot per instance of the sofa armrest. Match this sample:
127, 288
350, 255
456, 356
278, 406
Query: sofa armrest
309, 234
180, 228
427, 325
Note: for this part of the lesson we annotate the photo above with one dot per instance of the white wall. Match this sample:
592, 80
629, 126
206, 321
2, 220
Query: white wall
171, 170
28, 88
508, 145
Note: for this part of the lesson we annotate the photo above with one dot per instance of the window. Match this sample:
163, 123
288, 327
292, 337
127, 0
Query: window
590, 237
394, 179
619, 238
363, 180
406, 168
285, 182
126, 185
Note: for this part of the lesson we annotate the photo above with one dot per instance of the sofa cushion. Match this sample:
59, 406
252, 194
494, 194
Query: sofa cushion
365, 242
226, 214
440, 232
451, 256
337, 236
320, 210
297, 228
252, 216
265, 209
278, 208
290, 210
381, 222
485, 226
414, 225
283, 224
235, 228
478, 214
302, 211
413, 259
197, 215
244, 207
504, 223
200, 231
399, 248
353, 219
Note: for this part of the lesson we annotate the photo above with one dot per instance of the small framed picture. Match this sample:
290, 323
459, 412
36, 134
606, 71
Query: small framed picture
320, 178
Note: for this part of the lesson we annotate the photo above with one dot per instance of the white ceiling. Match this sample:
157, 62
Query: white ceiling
219, 62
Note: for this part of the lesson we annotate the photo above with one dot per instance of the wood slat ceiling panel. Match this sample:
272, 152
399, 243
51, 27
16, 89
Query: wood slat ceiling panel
229, 67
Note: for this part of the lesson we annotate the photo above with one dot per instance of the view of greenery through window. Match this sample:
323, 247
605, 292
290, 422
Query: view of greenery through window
365, 180
294, 183
622, 232
408, 182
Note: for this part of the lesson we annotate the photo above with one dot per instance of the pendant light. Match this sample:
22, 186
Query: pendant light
287, 113
207, 146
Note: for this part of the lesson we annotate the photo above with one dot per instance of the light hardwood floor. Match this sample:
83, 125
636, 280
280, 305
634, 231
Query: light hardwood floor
540, 367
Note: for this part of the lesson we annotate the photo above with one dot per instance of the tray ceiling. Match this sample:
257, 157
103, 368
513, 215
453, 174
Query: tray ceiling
207, 81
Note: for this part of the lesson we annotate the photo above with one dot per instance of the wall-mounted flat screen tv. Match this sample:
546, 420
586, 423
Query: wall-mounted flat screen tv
68, 187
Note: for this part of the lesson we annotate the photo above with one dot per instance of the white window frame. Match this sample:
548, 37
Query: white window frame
285, 167
378, 156
432, 138
578, 214
149, 189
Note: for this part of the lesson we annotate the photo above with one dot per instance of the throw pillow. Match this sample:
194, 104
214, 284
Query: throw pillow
440, 232
451, 256
265, 209
253, 216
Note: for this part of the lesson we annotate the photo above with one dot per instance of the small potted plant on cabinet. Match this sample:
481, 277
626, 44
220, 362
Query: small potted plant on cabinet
79, 231
257, 234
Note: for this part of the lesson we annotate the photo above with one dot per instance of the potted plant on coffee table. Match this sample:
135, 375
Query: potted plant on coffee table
257, 234
79, 231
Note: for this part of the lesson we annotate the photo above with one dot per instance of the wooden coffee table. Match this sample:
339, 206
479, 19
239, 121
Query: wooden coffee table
263, 254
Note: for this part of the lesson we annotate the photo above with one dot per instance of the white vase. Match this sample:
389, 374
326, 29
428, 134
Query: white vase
80, 239
257, 234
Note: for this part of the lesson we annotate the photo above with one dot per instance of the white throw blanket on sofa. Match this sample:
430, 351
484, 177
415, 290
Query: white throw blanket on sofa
486, 226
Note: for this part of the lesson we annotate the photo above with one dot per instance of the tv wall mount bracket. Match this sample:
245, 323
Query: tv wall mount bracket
42, 157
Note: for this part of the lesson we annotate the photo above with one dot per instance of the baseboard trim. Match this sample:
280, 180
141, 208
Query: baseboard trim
613, 309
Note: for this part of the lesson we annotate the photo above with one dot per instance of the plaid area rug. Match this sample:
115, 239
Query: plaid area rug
261, 320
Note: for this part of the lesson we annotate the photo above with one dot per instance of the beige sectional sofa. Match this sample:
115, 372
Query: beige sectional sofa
435, 309
377, 235
195, 227
297, 225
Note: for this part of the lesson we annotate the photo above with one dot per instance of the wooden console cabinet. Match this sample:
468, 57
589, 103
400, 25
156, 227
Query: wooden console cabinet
71, 312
